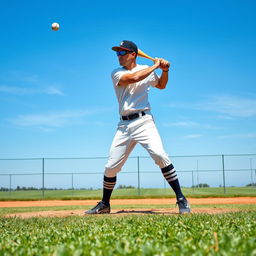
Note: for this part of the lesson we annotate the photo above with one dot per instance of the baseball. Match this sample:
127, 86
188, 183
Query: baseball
55, 26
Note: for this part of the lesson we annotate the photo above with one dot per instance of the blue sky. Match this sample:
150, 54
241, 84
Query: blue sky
56, 94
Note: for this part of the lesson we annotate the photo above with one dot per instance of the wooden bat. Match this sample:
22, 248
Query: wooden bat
144, 55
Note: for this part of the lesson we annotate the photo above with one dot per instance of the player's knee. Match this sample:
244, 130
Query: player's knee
162, 160
111, 172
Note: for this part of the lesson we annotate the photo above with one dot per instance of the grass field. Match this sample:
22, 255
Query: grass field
232, 233
201, 234
127, 193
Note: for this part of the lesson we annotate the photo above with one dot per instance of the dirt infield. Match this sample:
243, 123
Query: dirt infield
115, 212
127, 210
148, 201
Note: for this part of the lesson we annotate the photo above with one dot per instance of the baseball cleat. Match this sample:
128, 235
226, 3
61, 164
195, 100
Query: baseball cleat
183, 204
100, 208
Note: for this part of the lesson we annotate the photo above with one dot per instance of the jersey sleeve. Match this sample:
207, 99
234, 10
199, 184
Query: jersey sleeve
116, 75
153, 79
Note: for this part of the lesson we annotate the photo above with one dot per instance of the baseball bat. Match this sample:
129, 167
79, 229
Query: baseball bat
144, 55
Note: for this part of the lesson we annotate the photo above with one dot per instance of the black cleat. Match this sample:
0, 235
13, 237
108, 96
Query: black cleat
100, 208
183, 204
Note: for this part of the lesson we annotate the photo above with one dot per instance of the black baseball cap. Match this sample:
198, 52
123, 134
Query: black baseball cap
127, 46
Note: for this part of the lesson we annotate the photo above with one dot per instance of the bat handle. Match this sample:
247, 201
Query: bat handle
168, 65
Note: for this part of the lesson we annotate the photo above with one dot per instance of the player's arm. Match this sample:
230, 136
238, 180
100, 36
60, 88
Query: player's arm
163, 80
130, 78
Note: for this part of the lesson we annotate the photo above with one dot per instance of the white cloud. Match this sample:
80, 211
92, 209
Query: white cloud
29, 91
227, 106
21, 77
238, 136
57, 119
52, 120
30, 78
181, 124
13, 90
231, 106
190, 124
53, 90
192, 136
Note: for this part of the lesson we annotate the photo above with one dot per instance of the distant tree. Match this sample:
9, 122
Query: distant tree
4, 189
124, 187
201, 185
251, 185
25, 188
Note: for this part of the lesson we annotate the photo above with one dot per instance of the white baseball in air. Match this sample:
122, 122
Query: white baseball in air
55, 26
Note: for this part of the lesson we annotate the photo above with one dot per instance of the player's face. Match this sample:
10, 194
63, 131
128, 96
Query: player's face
125, 58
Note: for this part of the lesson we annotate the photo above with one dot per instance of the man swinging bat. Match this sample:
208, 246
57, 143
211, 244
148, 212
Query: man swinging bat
131, 82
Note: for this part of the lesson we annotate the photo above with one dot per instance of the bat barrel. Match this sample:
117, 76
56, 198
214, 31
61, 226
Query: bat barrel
144, 55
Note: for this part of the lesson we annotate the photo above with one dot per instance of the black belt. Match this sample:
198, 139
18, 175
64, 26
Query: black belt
133, 116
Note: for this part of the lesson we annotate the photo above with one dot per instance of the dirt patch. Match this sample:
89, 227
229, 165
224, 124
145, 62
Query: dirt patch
127, 210
116, 213
148, 201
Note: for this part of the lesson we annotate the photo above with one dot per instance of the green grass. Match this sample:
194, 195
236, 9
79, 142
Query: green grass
224, 234
127, 193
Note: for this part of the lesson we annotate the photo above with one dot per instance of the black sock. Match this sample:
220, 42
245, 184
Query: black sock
171, 177
108, 186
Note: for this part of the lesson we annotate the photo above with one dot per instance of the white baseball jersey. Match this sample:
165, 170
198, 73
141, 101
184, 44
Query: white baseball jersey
133, 98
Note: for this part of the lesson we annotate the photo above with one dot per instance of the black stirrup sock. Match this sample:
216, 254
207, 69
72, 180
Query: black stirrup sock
171, 176
108, 186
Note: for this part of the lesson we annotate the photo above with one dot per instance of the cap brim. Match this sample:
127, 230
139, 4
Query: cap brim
118, 48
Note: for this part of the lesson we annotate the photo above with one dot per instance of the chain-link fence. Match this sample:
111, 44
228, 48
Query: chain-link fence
139, 172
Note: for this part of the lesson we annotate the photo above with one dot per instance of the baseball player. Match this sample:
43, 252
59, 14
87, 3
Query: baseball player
131, 82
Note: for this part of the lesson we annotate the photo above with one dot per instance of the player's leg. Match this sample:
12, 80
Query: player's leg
119, 152
147, 135
120, 149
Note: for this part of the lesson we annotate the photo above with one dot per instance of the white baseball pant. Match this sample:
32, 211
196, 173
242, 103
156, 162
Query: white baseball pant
141, 130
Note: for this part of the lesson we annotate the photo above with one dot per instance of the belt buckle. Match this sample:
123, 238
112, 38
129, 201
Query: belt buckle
133, 116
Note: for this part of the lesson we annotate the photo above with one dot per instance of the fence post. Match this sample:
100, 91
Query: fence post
223, 169
193, 185
251, 171
42, 177
197, 173
164, 184
72, 178
138, 166
10, 185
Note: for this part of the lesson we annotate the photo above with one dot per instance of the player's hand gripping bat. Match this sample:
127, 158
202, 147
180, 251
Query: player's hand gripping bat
144, 55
